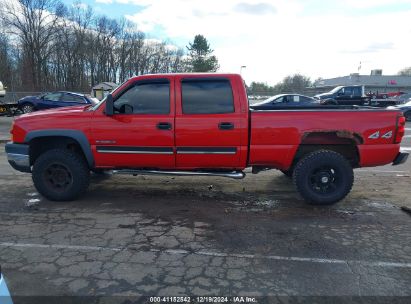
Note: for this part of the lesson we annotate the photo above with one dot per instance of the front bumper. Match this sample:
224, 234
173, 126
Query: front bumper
18, 157
400, 159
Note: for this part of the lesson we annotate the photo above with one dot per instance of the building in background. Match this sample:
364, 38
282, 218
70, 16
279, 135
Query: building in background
376, 82
102, 89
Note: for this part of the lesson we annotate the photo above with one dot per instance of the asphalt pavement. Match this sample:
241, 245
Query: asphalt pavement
199, 236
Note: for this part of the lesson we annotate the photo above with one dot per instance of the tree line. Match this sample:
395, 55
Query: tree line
46, 45
296, 83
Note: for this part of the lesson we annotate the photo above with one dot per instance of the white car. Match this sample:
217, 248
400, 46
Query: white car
2, 90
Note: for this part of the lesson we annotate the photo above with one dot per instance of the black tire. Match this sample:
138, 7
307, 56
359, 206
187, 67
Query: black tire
323, 177
27, 108
60, 175
407, 116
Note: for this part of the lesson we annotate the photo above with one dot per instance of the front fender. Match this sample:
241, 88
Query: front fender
77, 135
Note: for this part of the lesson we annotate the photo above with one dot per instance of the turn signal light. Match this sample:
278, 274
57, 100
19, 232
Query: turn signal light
400, 129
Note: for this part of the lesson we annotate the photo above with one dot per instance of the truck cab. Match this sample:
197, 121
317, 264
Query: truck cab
344, 95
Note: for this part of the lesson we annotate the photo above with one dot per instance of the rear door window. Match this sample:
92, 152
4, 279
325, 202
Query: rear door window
208, 96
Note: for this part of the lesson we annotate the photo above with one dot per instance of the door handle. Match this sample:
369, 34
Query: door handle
226, 126
164, 126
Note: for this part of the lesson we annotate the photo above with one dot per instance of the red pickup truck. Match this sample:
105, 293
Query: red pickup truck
201, 124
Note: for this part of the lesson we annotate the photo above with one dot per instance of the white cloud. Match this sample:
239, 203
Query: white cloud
277, 38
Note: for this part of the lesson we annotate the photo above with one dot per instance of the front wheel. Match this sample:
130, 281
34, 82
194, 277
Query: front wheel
60, 175
323, 177
27, 108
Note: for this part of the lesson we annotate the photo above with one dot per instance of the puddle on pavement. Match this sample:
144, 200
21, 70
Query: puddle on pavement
256, 206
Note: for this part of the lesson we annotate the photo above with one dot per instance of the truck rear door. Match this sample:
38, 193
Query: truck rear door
209, 123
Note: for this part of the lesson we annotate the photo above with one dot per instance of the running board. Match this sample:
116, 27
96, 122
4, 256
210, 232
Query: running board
232, 174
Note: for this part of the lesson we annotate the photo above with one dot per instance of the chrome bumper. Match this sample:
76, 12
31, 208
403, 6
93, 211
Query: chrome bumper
18, 157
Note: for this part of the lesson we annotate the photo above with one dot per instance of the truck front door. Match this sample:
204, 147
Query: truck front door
140, 134
211, 129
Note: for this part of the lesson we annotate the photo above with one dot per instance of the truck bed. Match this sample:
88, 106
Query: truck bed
277, 134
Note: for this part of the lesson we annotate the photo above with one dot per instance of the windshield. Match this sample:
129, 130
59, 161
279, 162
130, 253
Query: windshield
272, 99
335, 90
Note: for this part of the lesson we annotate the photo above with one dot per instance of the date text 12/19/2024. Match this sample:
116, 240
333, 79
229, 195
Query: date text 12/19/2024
203, 299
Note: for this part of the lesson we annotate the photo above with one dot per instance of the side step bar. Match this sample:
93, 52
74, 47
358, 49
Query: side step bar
232, 174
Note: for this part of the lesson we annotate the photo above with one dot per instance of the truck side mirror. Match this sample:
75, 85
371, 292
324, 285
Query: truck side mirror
109, 105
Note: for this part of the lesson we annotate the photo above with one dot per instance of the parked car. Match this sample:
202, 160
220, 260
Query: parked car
404, 108
5, 297
404, 98
53, 100
207, 129
285, 100
2, 90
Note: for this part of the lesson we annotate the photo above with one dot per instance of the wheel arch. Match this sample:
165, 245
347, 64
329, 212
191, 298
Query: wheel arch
28, 102
43, 140
341, 141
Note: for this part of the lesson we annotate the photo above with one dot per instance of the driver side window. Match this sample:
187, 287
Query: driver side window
145, 98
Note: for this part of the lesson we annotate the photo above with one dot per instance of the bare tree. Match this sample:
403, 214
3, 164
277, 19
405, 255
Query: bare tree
50, 46
34, 23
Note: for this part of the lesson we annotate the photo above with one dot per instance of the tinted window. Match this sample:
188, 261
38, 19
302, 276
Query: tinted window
52, 96
145, 98
72, 98
357, 91
280, 99
347, 91
207, 97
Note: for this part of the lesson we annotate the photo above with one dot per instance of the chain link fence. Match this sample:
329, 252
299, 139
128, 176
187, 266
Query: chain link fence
13, 97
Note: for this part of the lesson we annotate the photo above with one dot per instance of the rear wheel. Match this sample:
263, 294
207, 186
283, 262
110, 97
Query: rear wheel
61, 175
407, 116
27, 108
323, 177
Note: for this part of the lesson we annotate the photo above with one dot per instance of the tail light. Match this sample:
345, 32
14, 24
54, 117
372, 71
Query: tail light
400, 129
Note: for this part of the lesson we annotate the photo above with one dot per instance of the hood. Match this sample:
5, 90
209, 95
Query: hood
56, 111
30, 97
323, 95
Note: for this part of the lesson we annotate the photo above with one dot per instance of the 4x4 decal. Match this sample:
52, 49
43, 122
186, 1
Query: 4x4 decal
376, 135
